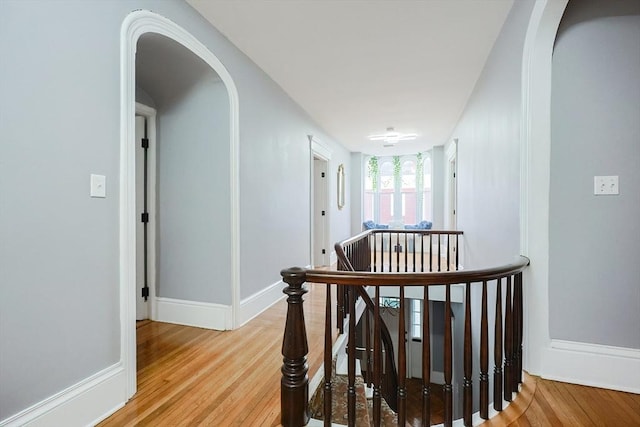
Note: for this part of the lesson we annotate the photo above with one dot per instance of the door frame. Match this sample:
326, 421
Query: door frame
317, 150
133, 27
451, 199
150, 114
451, 185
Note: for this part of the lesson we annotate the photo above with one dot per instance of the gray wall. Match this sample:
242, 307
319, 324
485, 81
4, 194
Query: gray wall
60, 122
488, 160
594, 241
488, 167
193, 227
358, 169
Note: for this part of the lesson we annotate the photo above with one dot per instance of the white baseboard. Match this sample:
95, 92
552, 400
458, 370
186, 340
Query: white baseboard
259, 302
102, 393
333, 258
603, 366
192, 313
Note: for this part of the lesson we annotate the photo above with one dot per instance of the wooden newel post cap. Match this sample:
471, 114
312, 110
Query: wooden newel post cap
294, 275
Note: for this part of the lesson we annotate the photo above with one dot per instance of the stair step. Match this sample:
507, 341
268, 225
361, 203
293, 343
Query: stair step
339, 402
342, 366
368, 392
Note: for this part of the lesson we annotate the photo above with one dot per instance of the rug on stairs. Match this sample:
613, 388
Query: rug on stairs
339, 410
364, 407
414, 406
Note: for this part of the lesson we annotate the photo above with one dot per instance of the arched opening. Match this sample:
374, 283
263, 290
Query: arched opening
197, 203
534, 173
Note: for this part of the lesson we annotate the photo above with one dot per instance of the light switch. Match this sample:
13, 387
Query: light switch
98, 186
605, 185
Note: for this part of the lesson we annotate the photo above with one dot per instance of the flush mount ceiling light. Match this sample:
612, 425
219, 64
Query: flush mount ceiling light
391, 136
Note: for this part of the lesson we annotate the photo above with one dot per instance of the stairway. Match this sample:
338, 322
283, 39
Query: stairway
339, 413
364, 403
339, 381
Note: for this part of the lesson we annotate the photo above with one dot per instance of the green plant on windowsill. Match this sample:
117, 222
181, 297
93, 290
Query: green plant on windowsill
373, 172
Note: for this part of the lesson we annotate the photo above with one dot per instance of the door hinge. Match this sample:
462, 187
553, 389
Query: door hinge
145, 142
322, 175
323, 213
324, 252
144, 217
145, 292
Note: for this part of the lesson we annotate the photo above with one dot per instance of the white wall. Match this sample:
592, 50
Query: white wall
594, 241
59, 248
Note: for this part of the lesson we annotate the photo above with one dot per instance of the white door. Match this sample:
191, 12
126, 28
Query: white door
142, 309
320, 213
453, 196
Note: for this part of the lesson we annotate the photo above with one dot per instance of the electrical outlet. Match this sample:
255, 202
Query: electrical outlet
605, 185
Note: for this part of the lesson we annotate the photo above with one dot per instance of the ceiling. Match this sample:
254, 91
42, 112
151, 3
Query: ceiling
360, 66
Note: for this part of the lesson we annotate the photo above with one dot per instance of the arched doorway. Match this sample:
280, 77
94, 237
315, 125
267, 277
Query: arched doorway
135, 25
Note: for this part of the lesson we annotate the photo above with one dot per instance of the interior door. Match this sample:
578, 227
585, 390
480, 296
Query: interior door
142, 309
320, 211
453, 208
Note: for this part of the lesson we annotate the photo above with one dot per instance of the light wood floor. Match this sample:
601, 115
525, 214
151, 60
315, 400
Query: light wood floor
196, 377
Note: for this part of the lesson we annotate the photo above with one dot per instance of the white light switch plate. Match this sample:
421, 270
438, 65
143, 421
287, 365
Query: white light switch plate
98, 186
605, 185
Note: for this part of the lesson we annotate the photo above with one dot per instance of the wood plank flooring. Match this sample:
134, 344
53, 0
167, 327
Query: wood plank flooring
554, 403
191, 376
197, 377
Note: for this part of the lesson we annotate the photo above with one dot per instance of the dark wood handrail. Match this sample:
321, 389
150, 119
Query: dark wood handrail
360, 278
360, 236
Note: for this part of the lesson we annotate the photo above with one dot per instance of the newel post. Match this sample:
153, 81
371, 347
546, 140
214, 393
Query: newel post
294, 387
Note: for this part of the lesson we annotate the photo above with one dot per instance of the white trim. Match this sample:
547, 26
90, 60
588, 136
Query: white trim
452, 149
133, 27
595, 365
151, 114
451, 186
260, 301
318, 150
333, 258
101, 393
534, 186
193, 313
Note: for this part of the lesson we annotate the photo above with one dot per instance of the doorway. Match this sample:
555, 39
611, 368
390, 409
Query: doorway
320, 235
320, 212
451, 202
145, 142
223, 314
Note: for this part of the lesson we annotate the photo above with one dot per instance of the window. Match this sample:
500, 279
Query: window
408, 188
398, 189
389, 302
416, 319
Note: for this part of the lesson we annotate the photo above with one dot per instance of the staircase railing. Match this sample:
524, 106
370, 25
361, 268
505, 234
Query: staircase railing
361, 252
391, 250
